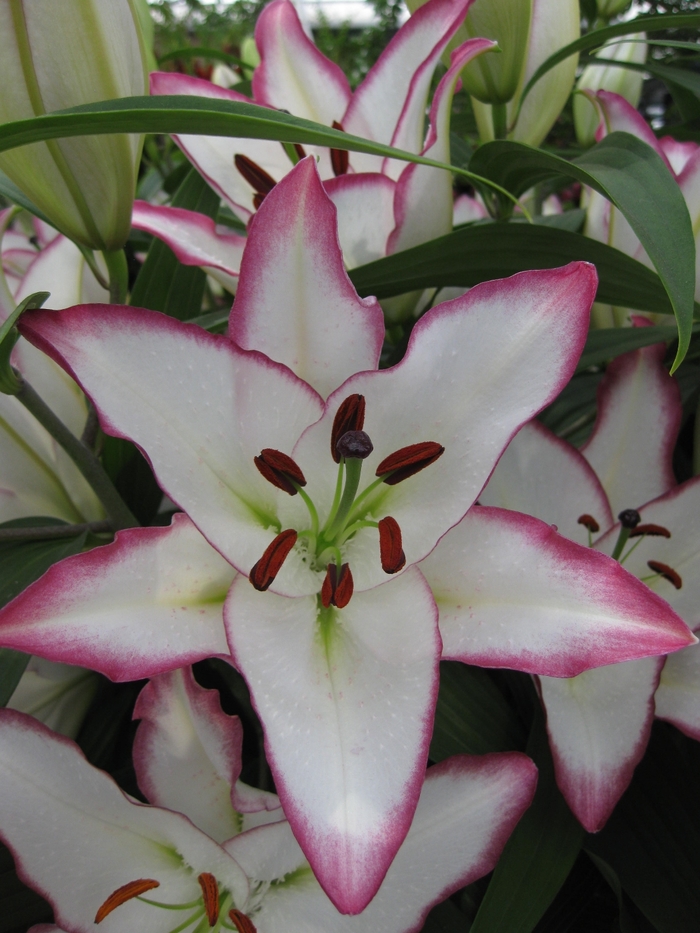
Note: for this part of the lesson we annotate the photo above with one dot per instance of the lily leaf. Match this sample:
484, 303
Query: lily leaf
538, 856
635, 179
483, 251
598, 37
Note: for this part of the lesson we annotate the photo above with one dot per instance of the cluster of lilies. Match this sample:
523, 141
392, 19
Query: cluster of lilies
338, 530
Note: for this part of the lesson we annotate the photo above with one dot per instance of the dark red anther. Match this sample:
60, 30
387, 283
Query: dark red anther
126, 893
354, 445
241, 922
349, 417
300, 151
390, 545
337, 588
340, 158
409, 460
257, 200
270, 564
588, 522
210, 895
280, 470
657, 531
668, 573
257, 177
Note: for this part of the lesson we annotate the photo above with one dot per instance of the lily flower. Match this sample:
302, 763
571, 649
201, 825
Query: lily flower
383, 205
599, 722
134, 866
325, 484
605, 223
37, 477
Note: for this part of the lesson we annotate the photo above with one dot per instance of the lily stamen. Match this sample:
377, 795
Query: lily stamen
337, 587
280, 470
340, 158
242, 922
407, 461
629, 519
588, 522
668, 573
650, 529
123, 894
349, 417
390, 545
210, 895
266, 569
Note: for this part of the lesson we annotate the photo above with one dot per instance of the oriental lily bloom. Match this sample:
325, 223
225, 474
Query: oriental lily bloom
37, 477
605, 223
599, 722
383, 205
338, 632
133, 866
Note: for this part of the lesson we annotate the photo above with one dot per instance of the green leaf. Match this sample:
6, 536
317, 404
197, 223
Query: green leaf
598, 37
483, 251
609, 342
538, 856
10, 191
20, 908
631, 175
163, 283
572, 413
472, 715
22, 564
10, 383
207, 116
652, 840
682, 77
12, 666
445, 918
627, 924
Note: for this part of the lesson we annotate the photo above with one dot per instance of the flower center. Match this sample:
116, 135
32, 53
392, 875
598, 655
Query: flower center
631, 526
207, 910
349, 511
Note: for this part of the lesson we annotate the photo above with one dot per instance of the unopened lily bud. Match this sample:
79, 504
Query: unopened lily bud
622, 81
63, 54
527, 32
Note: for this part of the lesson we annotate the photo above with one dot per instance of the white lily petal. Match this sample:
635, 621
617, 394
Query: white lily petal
347, 699
467, 810
544, 476
77, 837
599, 725
187, 753
295, 302
475, 370
194, 239
147, 603
678, 695
365, 203
389, 105
639, 414
212, 408
513, 593
293, 75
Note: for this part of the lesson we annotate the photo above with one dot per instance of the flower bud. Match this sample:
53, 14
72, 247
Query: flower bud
527, 32
63, 54
622, 81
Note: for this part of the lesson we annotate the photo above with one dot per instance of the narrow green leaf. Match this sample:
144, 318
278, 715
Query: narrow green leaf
652, 840
163, 283
631, 175
445, 918
20, 907
603, 345
472, 715
10, 191
22, 564
538, 856
483, 251
598, 37
627, 924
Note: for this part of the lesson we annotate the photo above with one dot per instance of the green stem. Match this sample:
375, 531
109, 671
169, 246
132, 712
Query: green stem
364, 494
310, 506
636, 544
117, 511
41, 532
353, 472
118, 275
499, 113
621, 542
336, 497
351, 529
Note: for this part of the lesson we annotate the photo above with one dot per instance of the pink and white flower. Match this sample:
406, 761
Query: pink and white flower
599, 721
383, 205
131, 865
338, 637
